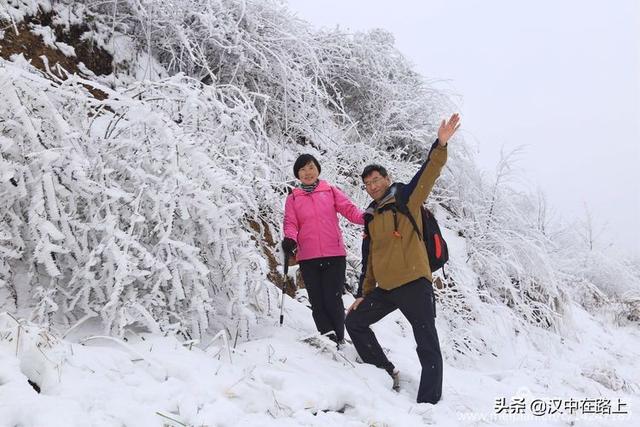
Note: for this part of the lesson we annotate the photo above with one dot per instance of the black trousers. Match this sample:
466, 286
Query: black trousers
416, 302
324, 281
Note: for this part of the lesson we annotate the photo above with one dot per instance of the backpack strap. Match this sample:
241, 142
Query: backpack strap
396, 233
413, 223
402, 207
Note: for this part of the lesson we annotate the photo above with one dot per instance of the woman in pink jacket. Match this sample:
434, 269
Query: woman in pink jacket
312, 233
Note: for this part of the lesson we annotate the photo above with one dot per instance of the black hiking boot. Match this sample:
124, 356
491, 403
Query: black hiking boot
395, 376
333, 337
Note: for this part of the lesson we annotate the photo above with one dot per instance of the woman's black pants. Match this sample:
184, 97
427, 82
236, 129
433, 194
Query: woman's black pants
324, 281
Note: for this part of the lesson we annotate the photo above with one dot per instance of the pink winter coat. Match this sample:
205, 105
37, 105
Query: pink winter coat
311, 220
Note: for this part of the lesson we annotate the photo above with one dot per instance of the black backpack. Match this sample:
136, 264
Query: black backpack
432, 236
437, 249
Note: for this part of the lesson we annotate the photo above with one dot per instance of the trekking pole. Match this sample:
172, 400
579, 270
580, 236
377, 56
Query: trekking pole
284, 286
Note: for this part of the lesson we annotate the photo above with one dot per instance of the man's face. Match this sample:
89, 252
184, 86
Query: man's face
308, 174
376, 185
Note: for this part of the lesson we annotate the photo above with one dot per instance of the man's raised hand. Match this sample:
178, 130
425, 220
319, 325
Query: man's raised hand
448, 128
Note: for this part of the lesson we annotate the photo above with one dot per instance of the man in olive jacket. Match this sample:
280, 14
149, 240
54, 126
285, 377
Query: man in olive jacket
396, 272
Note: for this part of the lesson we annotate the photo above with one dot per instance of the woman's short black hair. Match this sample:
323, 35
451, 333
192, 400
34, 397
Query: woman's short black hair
302, 161
369, 169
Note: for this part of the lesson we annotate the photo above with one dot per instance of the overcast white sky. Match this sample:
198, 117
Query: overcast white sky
561, 77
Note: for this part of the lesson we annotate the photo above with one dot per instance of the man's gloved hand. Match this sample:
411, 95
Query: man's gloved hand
289, 246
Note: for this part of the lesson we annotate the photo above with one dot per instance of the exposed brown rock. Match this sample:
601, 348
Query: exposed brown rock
33, 48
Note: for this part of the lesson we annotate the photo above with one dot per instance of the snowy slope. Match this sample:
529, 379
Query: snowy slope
276, 379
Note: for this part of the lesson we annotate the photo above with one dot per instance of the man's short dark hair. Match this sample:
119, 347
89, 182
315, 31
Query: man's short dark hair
369, 169
302, 161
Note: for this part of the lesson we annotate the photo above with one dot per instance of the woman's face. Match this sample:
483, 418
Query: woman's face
308, 174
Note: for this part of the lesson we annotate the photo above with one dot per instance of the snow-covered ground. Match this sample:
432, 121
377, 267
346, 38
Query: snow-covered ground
275, 379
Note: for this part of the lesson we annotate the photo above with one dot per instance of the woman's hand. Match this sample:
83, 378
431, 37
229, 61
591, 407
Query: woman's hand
289, 246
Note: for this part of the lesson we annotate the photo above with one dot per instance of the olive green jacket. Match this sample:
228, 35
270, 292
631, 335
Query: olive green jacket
396, 255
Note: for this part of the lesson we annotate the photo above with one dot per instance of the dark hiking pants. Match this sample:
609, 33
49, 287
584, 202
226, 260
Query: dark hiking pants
324, 281
416, 302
